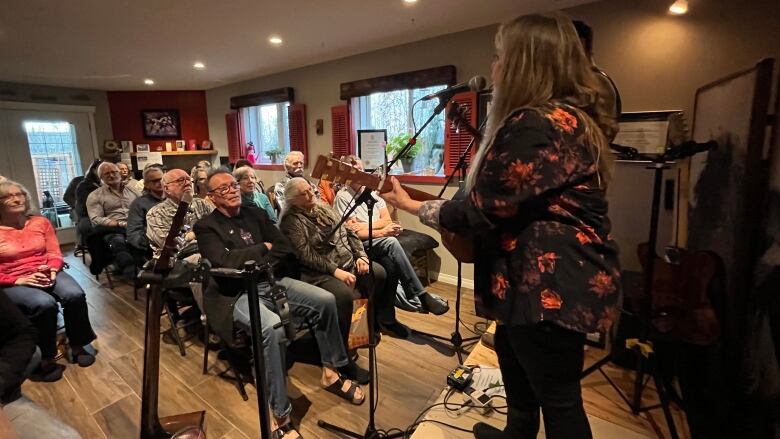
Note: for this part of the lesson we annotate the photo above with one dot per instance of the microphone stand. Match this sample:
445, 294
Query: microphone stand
365, 197
456, 339
413, 140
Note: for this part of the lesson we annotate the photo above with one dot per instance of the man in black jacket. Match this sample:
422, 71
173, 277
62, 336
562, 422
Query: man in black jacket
20, 417
232, 235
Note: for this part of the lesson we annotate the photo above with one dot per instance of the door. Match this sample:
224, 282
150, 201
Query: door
44, 151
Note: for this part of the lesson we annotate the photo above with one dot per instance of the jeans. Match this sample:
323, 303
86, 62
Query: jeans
541, 367
40, 306
307, 303
344, 296
388, 252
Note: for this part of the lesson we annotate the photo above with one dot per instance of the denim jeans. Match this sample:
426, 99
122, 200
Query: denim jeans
390, 249
307, 303
40, 306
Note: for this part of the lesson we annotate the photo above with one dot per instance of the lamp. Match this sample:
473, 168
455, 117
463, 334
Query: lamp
679, 7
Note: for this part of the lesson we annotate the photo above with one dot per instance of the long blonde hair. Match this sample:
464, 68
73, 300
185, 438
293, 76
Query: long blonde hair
541, 61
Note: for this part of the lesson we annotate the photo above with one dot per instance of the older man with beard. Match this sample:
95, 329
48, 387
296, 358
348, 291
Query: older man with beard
293, 165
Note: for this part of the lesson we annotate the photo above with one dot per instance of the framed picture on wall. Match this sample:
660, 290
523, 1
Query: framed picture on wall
161, 124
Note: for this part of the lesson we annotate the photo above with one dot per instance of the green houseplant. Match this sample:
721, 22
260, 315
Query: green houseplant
274, 155
397, 143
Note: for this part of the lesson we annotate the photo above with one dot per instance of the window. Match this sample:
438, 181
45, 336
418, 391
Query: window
55, 159
397, 112
267, 127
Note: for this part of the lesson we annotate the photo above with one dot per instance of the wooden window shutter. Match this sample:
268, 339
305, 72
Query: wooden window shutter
341, 132
456, 141
296, 117
234, 136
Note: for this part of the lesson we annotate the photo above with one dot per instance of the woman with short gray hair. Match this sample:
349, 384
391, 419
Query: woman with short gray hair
250, 195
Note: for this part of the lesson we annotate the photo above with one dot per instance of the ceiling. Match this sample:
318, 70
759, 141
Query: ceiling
116, 44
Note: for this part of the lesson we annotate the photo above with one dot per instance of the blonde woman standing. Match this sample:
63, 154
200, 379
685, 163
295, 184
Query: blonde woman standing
547, 268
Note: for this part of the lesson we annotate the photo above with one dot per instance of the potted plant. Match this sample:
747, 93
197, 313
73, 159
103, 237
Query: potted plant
397, 143
274, 155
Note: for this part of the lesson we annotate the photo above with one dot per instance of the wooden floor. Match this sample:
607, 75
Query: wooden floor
103, 401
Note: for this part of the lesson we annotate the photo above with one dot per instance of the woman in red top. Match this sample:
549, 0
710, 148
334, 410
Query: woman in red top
32, 277
546, 266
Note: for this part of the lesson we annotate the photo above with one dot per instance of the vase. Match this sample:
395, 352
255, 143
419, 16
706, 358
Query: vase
407, 163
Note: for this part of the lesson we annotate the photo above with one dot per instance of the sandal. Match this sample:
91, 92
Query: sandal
84, 358
282, 431
349, 394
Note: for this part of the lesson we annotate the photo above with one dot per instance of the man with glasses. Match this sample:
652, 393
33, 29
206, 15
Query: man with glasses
107, 207
229, 237
293, 165
136, 218
176, 183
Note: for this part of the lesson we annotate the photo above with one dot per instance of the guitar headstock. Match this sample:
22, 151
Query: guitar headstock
330, 169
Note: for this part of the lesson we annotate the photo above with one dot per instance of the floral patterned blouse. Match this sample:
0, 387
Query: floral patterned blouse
540, 226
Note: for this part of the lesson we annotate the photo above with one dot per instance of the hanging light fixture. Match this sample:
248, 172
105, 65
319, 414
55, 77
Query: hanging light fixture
679, 7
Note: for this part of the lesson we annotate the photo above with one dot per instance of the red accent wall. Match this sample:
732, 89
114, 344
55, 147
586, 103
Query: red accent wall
126, 107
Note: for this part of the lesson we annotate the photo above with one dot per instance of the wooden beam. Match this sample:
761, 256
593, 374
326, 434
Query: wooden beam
444, 75
275, 96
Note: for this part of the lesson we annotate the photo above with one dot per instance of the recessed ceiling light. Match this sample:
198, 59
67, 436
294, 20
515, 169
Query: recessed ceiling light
149, 81
679, 7
410, 1
199, 66
275, 40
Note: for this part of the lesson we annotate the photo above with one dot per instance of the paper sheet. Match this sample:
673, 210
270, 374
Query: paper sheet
488, 379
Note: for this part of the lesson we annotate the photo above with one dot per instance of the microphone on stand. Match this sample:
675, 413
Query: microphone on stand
477, 83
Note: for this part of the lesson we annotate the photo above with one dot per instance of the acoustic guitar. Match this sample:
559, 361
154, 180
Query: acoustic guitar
183, 426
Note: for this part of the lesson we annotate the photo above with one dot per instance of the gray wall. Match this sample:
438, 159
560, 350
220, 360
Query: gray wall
657, 61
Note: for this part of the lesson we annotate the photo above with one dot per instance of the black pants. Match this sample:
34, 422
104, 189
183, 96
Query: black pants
541, 367
118, 244
344, 296
40, 306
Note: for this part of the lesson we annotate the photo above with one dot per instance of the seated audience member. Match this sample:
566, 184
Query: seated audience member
86, 186
240, 163
136, 216
176, 183
127, 177
385, 247
232, 235
31, 276
107, 207
293, 166
250, 195
20, 417
205, 164
336, 260
199, 177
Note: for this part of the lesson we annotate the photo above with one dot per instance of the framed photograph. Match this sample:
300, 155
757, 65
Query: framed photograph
371, 148
127, 145
180, 145
161, 124
142, 147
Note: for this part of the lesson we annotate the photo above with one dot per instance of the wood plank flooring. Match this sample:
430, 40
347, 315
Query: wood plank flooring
103, 401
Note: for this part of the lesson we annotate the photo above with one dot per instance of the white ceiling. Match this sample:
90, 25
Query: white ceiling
115, 44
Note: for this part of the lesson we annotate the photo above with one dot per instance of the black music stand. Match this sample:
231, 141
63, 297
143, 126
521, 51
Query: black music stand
643, 359
365, 197
250, 274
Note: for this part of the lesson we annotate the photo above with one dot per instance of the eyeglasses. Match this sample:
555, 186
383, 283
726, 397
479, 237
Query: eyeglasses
9, 197
180, 181
224, 189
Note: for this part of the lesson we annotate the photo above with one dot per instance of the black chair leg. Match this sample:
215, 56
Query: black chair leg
205, 348
236, 374
108, 276
175, 330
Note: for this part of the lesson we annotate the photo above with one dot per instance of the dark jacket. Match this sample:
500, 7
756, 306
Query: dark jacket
221, 243
89, 184
17, 345
136, 221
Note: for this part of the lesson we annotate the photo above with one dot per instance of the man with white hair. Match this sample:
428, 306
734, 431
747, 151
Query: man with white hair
293, 166
108, 206
176, 183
